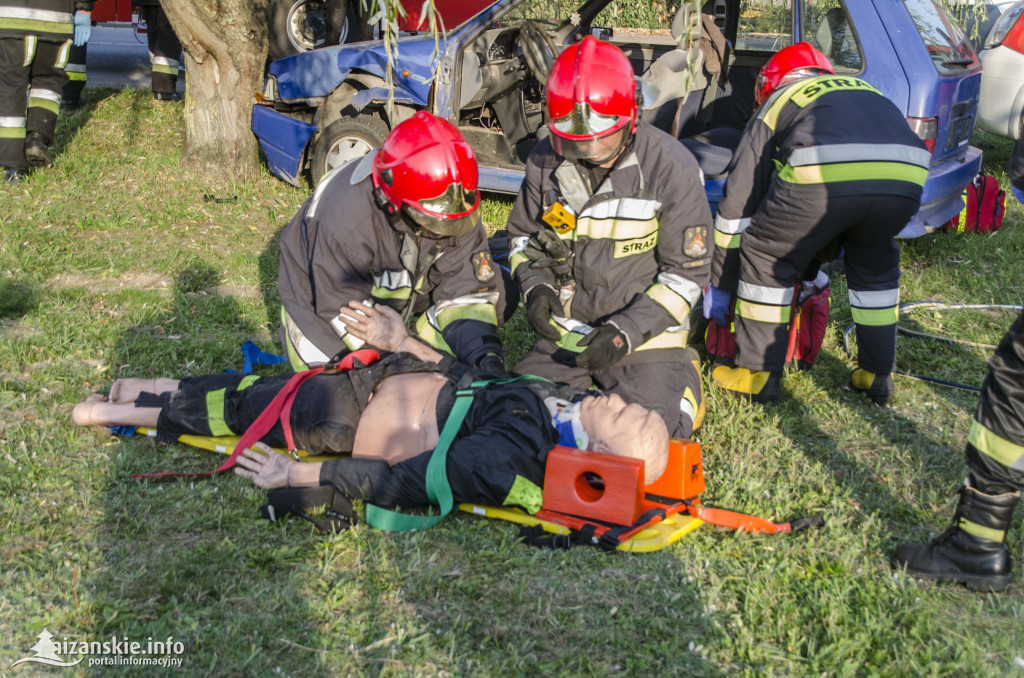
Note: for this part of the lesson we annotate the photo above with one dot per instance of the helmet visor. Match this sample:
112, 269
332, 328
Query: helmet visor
441, 227
596, 151
455, 201
583, 122
453, 213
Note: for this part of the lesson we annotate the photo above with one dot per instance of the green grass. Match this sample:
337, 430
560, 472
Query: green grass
113, 264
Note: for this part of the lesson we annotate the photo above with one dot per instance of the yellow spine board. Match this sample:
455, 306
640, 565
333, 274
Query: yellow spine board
654, 538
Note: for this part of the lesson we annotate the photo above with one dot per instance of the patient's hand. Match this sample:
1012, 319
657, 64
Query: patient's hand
378, 326
265, 467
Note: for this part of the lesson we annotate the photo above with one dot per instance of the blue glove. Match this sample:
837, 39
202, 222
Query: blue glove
83, 27
1019, 194
716, 304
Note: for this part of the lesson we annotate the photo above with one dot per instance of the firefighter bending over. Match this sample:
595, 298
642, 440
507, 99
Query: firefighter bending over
826, 163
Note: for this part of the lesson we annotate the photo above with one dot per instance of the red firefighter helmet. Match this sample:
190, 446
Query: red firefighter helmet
790, 64
426, 170
591, 97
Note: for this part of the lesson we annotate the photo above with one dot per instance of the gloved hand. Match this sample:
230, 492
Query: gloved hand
1019, 194
547, 250
716, 304
540, 304
492, 366
83, 27
606, 346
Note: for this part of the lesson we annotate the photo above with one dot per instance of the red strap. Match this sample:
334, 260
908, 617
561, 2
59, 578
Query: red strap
278, 409
735, 521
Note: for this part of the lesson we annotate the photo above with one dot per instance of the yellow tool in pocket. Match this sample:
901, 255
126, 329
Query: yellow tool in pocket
560, 218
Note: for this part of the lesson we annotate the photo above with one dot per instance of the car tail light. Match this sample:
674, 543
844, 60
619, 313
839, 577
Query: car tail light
1008, 30
1015, 38
927, 129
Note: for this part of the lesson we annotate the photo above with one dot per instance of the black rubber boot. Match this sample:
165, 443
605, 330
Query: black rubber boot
36, 151
880, 388
961, 553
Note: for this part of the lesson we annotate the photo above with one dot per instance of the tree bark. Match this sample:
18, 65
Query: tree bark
225, 45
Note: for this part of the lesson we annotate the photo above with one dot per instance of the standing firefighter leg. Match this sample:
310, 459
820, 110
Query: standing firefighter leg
972, 550
872, 260
14, 60
764, 298
75, 69
44, 95
164, 51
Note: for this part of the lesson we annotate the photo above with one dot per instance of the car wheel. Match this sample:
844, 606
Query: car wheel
301, 25
345, 140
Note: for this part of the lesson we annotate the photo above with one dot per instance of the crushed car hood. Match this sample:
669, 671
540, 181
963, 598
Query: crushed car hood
318, 73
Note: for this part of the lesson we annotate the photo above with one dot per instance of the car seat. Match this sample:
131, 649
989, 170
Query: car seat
678, 81
713, 150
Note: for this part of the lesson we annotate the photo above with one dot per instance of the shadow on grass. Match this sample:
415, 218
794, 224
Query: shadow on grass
17, 298
186, 557
71, 122
267, 267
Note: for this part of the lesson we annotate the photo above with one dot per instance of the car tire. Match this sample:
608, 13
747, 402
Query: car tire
344, 140
301, 25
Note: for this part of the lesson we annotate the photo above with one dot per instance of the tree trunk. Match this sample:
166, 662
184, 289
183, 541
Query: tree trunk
225, 44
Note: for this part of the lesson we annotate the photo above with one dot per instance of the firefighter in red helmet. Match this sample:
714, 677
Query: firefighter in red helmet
611, 242
399, 227
827, 163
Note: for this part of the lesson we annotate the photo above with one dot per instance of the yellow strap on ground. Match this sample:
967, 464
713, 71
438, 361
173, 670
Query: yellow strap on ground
653, 538
225, 444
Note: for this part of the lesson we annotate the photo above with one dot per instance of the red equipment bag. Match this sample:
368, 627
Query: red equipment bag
807, 325
984, 207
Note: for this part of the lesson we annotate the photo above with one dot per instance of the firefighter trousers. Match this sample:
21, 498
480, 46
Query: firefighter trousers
32, 69
75, 69
164, 50
995, 444
787, 237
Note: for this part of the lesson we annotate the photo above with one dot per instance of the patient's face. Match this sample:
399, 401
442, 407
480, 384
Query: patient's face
630, 430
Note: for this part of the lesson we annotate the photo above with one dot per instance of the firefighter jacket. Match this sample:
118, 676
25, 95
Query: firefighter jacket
49, 20
342, 247
640, 243
825, 136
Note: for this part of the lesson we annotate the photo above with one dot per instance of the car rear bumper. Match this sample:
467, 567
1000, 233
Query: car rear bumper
283, 140
942, 197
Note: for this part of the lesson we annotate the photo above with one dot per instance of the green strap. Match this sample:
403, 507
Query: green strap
439, 491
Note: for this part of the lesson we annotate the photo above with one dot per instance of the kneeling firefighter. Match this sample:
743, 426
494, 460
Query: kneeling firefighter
610, 243
398, 227
827, 163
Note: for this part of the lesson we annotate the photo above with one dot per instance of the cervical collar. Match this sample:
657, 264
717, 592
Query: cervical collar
565, 417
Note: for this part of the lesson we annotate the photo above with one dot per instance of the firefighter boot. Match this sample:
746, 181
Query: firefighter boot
971, 550
880, 388
760, 387
36, 151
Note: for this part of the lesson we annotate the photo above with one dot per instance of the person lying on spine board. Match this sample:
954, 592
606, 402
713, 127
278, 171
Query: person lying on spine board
387, 416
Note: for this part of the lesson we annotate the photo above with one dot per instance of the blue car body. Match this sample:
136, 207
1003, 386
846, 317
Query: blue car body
895, 59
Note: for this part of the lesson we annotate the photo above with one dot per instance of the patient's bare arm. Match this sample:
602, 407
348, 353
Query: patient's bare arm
381, 326
270, 470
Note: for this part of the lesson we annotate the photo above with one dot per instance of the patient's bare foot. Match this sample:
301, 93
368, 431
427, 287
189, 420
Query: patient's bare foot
128, 389
85, 412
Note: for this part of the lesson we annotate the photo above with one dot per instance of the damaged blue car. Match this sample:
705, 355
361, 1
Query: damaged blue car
324, 107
